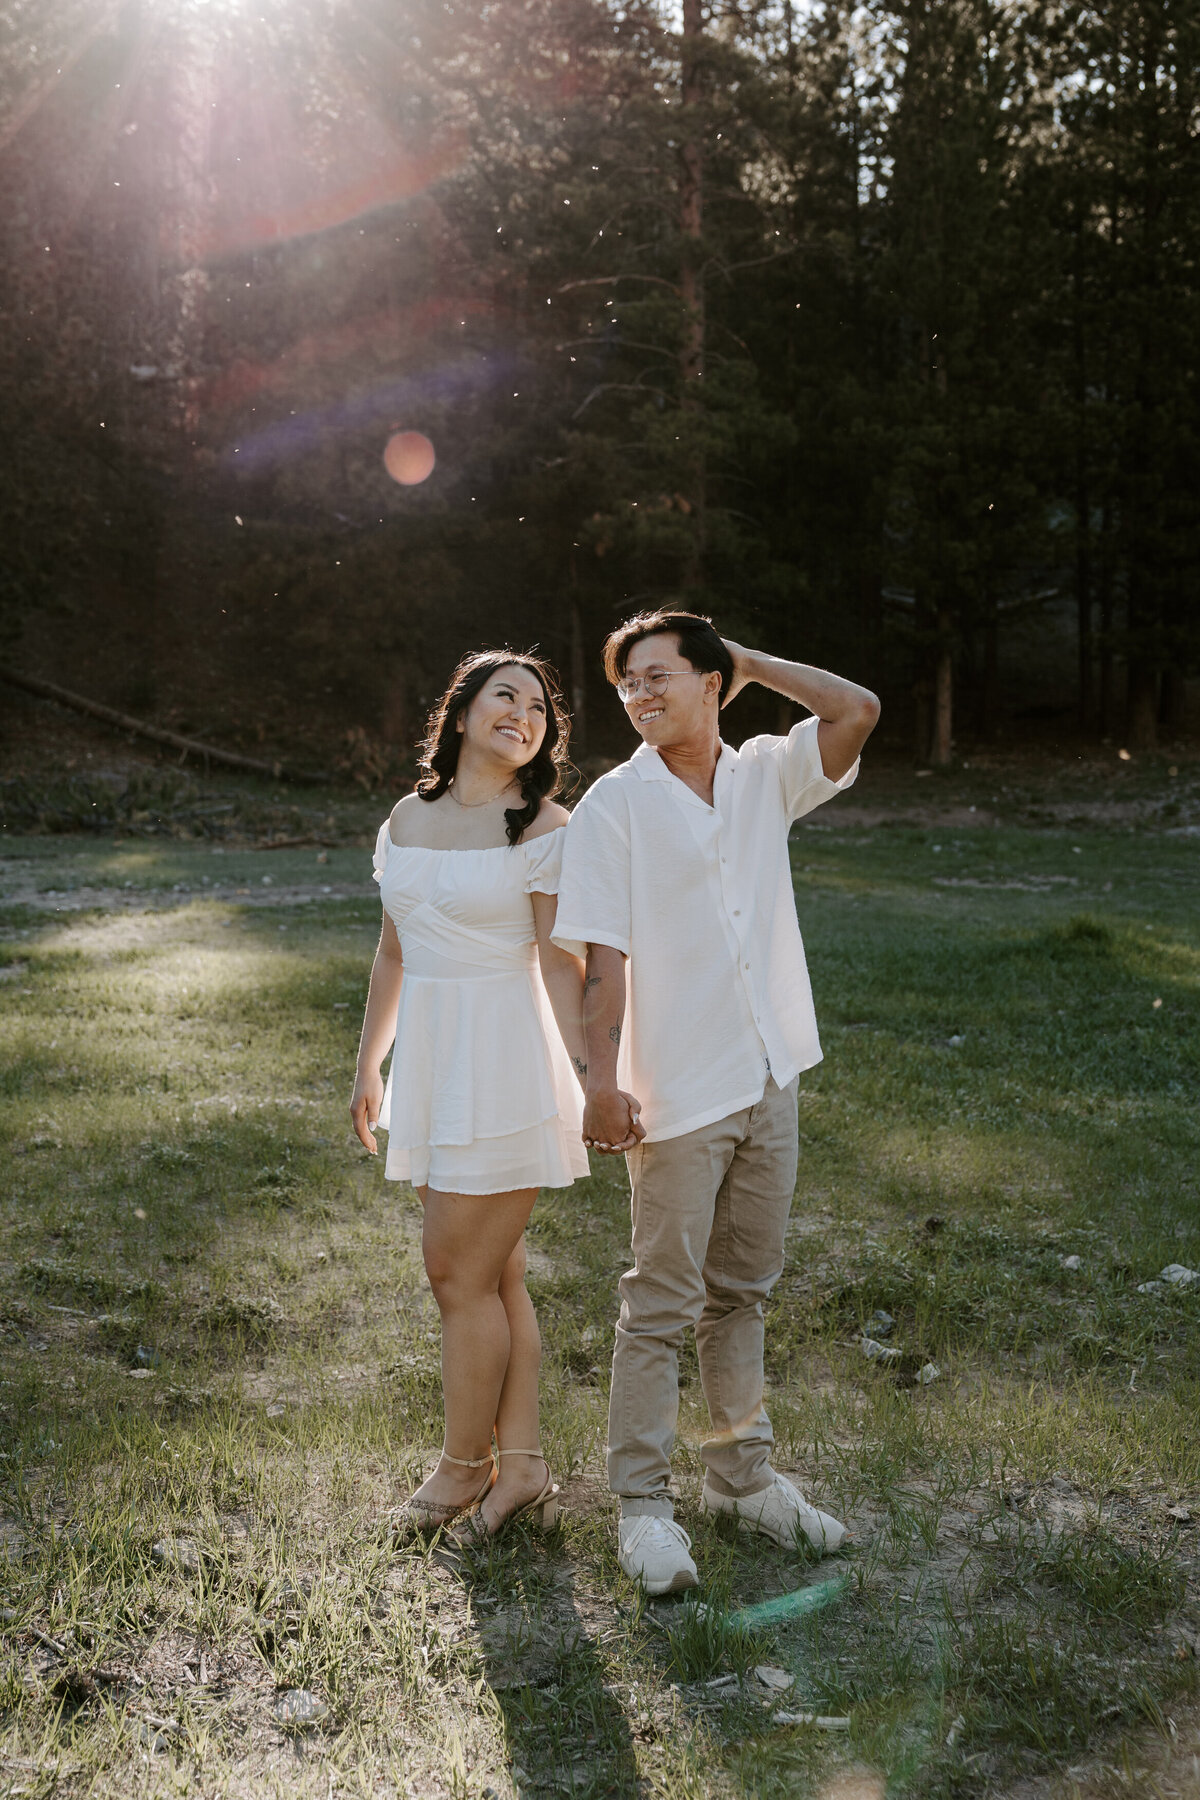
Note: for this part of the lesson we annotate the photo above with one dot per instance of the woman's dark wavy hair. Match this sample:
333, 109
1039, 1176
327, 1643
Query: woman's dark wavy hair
540, 778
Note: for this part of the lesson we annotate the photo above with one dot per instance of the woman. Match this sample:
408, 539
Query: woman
481, 1106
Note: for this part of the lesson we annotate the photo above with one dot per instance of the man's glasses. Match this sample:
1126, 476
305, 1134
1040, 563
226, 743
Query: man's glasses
655, 685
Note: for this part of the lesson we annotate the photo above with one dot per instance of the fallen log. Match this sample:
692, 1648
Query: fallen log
230, 759
296, 843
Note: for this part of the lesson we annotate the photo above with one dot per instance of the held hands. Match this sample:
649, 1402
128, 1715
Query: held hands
612, 1122
365, 1103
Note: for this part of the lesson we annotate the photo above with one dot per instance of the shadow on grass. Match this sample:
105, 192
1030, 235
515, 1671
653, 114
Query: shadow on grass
564, 1722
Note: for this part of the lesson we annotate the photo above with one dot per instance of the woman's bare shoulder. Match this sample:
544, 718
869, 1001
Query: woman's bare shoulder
550, 816
404, 816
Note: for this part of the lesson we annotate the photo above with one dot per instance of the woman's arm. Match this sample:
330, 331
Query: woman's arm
563, 976
378, 1032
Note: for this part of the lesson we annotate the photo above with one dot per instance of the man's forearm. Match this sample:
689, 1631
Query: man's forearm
846, 712
603, 1015
830, 696
562, 977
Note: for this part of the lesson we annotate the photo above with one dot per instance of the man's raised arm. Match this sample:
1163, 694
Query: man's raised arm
847, 713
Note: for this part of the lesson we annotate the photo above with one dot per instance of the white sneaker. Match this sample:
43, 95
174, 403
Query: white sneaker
654, 1551
781, 1513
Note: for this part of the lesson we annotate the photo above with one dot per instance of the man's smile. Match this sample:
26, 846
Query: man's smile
655, 712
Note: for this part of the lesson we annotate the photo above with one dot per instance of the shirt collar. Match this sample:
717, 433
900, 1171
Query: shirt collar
727, 762
651, 767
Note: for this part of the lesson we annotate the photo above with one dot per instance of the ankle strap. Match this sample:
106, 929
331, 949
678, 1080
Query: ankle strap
466, 1462
520, 1453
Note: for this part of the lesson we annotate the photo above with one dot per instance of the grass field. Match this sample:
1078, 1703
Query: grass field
221, 1364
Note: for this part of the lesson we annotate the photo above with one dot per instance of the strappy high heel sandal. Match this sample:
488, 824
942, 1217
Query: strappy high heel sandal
418, 1517
543, 1508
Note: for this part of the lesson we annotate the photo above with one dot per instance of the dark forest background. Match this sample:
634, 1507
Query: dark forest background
873, 329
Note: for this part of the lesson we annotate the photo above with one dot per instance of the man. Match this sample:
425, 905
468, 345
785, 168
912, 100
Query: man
675, 874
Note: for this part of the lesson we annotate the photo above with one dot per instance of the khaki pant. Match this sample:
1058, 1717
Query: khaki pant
709, 1213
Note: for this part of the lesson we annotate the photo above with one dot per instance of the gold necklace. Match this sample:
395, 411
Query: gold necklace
470, 805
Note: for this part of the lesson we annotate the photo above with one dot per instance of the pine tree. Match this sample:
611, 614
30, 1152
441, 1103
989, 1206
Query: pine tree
1131, 199
966, 522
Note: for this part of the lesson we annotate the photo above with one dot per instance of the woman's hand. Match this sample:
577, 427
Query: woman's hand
612, 1122
378, 1032
365, 1103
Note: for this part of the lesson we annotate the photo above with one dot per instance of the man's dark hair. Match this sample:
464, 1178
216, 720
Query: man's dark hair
699, 643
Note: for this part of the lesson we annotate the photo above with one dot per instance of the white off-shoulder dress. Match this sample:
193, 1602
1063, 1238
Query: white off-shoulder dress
481, 1097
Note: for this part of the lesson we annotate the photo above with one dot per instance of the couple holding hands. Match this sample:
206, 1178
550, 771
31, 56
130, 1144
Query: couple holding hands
628, 978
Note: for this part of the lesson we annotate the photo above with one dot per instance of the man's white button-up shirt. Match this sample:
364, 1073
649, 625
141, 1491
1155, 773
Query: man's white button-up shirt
699, 898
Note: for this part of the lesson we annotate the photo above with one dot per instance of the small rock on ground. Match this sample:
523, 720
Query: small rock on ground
298, 1707
772, 1677
177, 1553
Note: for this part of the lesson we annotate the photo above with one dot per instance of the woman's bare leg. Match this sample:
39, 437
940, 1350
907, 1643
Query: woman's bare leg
517, 1426
467, 1241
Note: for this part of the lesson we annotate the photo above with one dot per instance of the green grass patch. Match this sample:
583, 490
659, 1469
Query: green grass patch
215, 1332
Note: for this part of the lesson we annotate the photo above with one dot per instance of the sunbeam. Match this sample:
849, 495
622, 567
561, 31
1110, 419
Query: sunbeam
45, 85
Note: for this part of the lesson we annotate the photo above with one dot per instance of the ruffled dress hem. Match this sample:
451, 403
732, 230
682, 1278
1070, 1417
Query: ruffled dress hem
538, 1156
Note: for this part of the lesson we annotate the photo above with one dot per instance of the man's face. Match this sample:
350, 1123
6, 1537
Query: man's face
689, 700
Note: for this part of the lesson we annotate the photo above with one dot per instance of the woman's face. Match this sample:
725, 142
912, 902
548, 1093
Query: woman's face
507, 718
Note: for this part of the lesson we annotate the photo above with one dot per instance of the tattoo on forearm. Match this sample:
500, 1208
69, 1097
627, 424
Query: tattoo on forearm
591, 982
580, 1064
614, 1032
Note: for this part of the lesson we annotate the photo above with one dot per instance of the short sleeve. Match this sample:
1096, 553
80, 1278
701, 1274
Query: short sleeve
798, 759
543, 861
594, 888
382, 843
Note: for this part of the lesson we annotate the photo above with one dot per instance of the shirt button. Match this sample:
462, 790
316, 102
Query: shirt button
745, 965
737, 912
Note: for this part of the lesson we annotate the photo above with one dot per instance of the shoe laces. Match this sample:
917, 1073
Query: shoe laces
792, 1495
662, 1534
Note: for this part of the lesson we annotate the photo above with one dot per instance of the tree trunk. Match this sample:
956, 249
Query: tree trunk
1142, 706
393, 725
578, 674
990, 680
691, 283
188, 215
1171, 702
1083, 504
1104, 719
1083, 603
922, 719
943, 697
